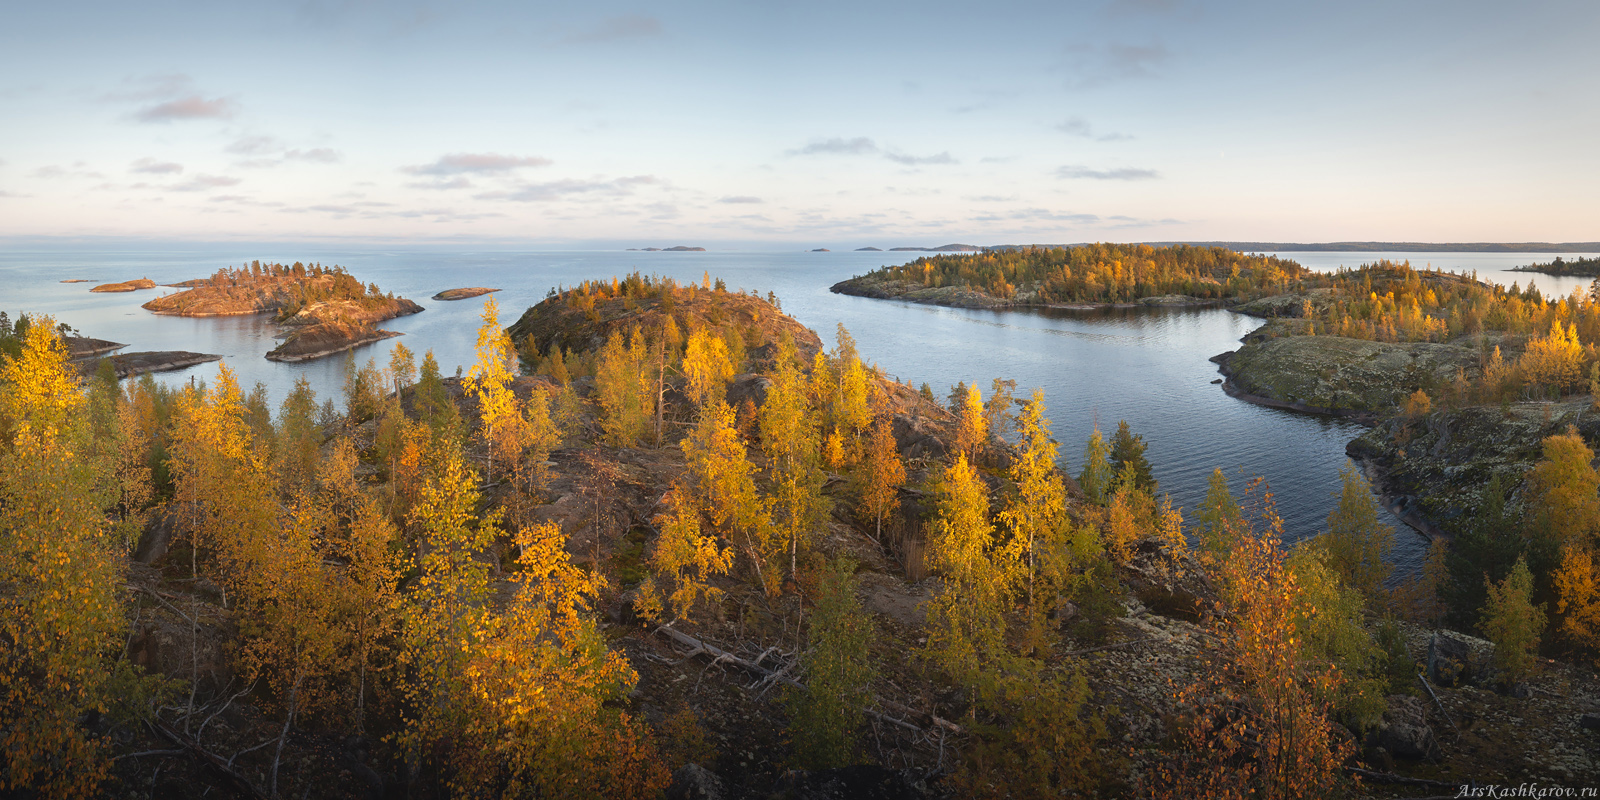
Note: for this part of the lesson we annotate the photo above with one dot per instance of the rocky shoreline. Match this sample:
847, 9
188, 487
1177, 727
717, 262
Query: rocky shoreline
128, 365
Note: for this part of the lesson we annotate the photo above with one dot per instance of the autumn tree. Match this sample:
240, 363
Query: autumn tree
1356, 542
883, 475
490, 382
706, 367
1095, 479
826, 718
1514, 623
972, 430
541, 687
623, 390
299, 438
1564, 491
1037, 504
1219, 516
685, 559
447, 613
1577, 585
724, 481
402, 367
1127, 453
1555, 360
61, 612
966, 623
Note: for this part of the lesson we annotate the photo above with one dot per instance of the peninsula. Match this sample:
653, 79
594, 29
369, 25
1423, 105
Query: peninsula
325, 309
1580, 267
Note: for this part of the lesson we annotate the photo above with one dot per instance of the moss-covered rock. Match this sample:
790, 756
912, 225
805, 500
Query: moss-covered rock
1440, 465
1333, 374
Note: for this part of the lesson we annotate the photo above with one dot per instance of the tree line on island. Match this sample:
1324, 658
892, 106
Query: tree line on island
394, 570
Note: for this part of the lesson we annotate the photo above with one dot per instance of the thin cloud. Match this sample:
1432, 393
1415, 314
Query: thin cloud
441, 184
610, 29
1039, 215
863, 146
1078, 126
202, 183
936, 158
319, 155
860, 145
1080, 172
741, 199
151, 166
254, 145
476, 163
191, 107
48, 172
571, 187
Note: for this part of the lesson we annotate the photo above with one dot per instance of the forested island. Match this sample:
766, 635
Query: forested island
689, 549
1099, 274
324, 309
1580, 267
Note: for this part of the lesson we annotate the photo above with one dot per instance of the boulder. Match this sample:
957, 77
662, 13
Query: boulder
694, 782
749, 387
1404, 730
1589, 722
1449, 660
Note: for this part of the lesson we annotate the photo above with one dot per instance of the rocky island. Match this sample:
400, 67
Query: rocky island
463, 294
325, 309
124, 286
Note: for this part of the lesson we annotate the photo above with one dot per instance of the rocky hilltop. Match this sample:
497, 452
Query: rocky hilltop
577, 322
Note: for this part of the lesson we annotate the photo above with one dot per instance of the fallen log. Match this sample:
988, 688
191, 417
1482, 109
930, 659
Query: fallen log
770, 677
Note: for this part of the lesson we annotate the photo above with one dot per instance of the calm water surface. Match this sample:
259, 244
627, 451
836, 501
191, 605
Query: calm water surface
1146, 366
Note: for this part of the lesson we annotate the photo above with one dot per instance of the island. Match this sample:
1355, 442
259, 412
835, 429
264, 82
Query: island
75, 280
463, 294
1580, 267
124, 286
822, 250
868, 250
325, 309
944, 248
1080, 277
681, 249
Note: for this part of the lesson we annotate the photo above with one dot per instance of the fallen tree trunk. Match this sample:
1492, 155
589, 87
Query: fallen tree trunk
719, 655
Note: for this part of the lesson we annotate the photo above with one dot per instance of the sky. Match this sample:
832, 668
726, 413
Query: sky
817, 124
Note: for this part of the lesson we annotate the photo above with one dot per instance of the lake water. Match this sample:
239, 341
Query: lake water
1146, 366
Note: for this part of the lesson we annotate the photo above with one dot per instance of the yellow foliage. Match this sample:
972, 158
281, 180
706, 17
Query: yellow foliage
1577, 585
1554, 360
60, 612
1562, 488
686, 559
706, 367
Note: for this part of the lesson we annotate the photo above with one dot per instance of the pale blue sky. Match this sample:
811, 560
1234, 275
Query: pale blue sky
819, 124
